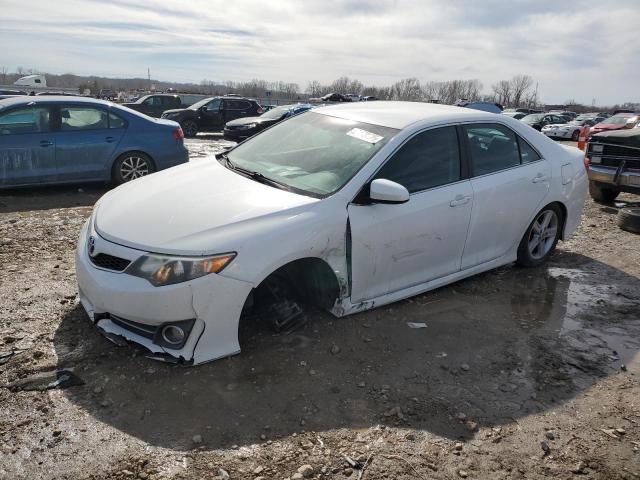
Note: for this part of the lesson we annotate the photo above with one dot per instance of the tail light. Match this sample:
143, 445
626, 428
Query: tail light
178, 134
260, 111
586, 162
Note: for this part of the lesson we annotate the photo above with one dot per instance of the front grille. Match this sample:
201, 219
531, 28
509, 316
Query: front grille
147, 331
109, 262
619, 151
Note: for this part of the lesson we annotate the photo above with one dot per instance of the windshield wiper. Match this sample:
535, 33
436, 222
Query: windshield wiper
257, 176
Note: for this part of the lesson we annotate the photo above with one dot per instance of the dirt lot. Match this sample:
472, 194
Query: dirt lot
520, 373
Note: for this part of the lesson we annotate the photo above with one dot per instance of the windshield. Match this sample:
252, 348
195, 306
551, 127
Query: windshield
199, 104
275, 113
536, 117
616, 120
312, 153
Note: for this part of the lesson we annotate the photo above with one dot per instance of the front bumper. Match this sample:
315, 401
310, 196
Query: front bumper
236, 135
214, 301
557, 133
624, 180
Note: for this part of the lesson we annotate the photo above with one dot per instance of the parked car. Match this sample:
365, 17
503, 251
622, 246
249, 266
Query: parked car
243, 128
570, 130
353, 206
526, 111
46, 140
566, 113
616, 122
539, 120
211, 114
331, 97
353, 97
515, 115
484, 106
589, 115
10, 92
369, 98
613, 160
155, 105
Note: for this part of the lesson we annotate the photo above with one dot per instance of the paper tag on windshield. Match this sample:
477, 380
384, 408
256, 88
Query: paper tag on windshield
364, 135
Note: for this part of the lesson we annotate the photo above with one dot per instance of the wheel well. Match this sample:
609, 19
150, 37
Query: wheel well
312, 280
563, 220
113, 164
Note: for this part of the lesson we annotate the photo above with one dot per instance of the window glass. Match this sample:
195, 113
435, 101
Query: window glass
116, 122
153, 101
492, 147
312, 153
82, 118
429, 159
527, 153
213, 105
236, 105
25, 120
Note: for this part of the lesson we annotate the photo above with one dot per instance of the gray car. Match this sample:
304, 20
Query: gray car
47, 140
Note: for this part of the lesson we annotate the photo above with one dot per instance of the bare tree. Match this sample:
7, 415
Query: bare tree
520, 86
502, 92
314, 88
406, 89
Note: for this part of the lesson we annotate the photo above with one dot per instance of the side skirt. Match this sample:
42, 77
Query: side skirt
347, 308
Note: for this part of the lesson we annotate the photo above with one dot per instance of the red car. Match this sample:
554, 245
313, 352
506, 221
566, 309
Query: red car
617, 122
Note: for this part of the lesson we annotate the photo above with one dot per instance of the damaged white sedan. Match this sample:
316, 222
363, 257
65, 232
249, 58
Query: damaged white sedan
347, 207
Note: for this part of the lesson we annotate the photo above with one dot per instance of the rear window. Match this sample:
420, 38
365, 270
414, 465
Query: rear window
237, 105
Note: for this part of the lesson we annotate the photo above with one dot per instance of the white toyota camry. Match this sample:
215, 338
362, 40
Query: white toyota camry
348, 207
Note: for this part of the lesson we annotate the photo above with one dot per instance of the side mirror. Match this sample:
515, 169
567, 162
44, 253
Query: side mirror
203, 108
386, 191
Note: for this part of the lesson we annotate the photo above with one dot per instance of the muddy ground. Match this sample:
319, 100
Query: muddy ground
519, 373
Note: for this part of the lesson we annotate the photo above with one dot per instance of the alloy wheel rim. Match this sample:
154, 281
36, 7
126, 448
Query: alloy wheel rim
133, 167
543, 234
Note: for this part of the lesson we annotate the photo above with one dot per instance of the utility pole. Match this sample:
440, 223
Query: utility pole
149, 79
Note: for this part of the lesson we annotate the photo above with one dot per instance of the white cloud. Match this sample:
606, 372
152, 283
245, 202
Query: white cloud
574, 49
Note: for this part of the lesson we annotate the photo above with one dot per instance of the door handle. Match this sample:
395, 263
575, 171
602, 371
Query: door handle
459, 200
539, 178
109, 139
45, 143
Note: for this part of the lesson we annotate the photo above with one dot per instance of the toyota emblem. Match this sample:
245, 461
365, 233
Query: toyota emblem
91, 245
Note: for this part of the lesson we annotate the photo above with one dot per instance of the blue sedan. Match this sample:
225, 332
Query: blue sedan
47, 140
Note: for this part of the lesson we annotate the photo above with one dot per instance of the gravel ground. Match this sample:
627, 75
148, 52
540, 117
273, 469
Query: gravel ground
520, 373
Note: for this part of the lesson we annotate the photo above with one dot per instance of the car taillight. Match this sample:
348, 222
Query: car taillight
586, 162
178, 134
260, 111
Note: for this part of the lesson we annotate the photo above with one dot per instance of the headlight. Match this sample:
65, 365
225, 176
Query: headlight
247, 126
162, 270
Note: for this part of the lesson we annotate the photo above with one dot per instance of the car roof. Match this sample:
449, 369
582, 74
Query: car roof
401, 114
26, 99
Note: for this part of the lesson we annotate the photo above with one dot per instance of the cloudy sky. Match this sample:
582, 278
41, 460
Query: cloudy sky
575, 49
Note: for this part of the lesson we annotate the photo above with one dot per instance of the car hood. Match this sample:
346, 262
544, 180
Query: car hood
198, 208
248, 120
606, 126
628, 137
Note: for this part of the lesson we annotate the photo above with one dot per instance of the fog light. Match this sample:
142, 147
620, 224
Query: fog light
173, 334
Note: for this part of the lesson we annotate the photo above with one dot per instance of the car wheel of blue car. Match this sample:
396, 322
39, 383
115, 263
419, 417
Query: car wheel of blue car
130, 166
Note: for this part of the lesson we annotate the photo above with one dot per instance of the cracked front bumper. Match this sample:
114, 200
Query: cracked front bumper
214, 301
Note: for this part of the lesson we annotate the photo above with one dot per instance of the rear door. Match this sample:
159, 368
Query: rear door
27, 146
510, 180
84, 142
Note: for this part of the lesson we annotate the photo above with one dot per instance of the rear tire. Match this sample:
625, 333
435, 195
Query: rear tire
190, 128
629, 219
131, 165
541, 238
602, 195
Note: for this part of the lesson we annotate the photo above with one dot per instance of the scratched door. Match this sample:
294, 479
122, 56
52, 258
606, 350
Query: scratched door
27, 147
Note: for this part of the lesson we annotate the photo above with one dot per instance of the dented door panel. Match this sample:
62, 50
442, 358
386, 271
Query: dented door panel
398, 246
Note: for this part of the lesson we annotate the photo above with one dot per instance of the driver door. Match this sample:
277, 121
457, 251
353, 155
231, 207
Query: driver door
211, 115
396, 246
